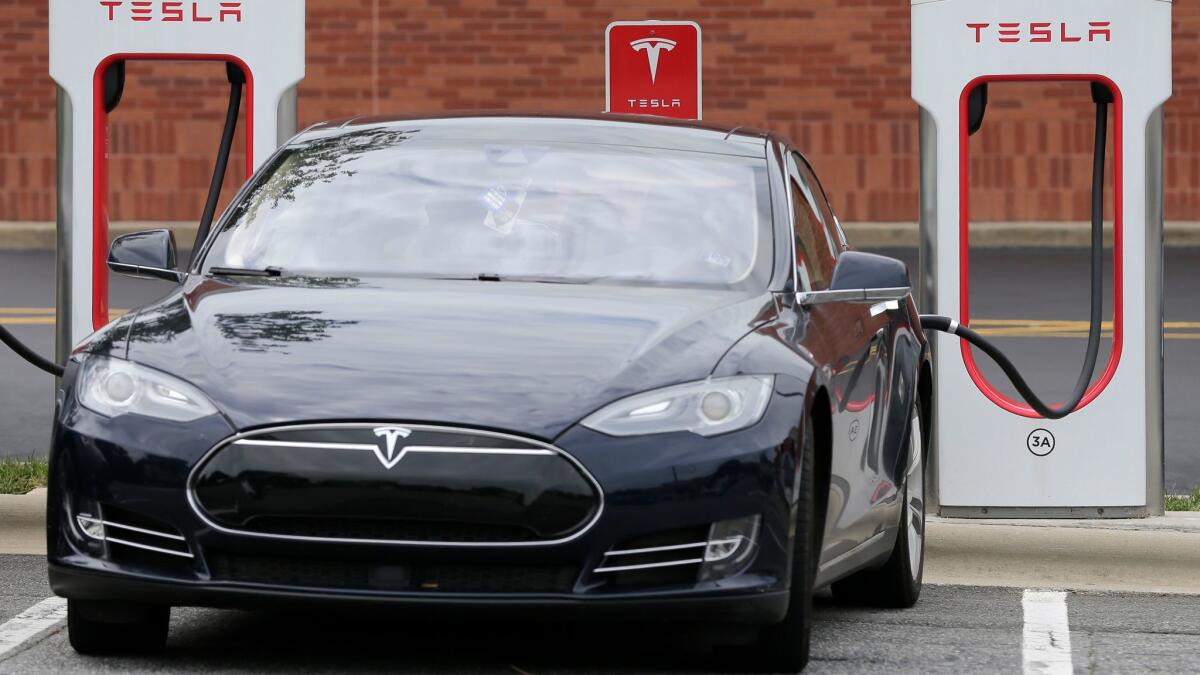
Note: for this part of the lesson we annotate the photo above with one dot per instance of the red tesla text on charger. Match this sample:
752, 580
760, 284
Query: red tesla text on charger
1011, 32
169, 11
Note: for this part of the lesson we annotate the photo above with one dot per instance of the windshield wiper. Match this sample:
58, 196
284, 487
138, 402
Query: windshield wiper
239, 272
532, 279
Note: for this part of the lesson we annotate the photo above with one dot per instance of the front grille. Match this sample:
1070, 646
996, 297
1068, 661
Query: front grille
365, 528
426, 578
390, 484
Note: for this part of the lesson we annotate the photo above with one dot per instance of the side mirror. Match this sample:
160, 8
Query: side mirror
146, 255
863, 277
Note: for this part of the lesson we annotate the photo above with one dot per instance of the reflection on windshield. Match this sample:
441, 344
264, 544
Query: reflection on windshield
382, 202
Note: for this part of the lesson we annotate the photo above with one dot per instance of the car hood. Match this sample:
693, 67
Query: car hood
526, 357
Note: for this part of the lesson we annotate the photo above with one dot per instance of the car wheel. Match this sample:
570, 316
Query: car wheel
898, 582
105, 627
783, 648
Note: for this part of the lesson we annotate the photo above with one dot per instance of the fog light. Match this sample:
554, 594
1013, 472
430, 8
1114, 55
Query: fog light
88, 519
90, 526
722, 549
731, 544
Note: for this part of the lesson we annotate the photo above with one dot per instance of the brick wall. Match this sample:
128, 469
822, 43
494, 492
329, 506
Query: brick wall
832, 74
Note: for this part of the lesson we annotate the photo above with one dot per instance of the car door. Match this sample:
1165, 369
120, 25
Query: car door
894, 388
852, 339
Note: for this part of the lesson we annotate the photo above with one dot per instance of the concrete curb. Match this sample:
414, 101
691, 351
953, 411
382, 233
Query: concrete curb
1176, 234
1173, 521
40, 236
23, 523
1153, 555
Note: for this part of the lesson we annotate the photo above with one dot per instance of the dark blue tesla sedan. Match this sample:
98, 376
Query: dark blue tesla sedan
594, 366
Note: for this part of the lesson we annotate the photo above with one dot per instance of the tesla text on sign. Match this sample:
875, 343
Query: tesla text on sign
653, 68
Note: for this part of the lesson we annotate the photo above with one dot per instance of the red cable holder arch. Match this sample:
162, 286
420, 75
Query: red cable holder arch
964, 189
100, 163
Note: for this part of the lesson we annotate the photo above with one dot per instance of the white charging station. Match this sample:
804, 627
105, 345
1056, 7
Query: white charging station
263, 38
995, 456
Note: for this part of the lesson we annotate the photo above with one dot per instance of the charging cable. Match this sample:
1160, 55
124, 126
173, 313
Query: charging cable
1102, 97
236, 79
28, 354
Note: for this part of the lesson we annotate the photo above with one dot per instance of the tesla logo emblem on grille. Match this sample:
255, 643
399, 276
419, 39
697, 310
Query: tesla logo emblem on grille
653, 47
389, 457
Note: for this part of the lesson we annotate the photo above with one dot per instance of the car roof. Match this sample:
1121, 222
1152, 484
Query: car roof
607, 129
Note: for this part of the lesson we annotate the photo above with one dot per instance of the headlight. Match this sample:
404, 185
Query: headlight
112, 387
707, 408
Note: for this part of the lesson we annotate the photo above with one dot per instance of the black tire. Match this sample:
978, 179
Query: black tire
107, 627
784, 647
898, 583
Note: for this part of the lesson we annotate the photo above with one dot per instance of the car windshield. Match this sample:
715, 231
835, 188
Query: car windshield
381, 202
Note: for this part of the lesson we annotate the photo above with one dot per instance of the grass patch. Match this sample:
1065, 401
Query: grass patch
20, 476
1185, 502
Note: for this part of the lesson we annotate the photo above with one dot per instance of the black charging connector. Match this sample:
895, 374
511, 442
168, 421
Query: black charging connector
976, 107
1101, 94
114, 85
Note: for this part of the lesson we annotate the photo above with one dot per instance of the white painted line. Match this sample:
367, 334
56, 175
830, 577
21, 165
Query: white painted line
30, 623
1046, 645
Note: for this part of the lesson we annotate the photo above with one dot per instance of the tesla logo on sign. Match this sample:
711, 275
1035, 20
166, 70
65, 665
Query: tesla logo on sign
173, 11
653, 47
653, 67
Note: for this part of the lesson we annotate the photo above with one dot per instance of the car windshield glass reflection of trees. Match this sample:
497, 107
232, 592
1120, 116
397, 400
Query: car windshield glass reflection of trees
384, 202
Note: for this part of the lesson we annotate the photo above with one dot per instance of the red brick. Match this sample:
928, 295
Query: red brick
831, 74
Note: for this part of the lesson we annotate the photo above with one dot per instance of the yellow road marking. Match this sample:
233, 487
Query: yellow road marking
1041, 333
10, 316
1063, 324
1061, 328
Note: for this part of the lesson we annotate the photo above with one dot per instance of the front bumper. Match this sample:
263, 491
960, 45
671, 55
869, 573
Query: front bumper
749, 609
652, 491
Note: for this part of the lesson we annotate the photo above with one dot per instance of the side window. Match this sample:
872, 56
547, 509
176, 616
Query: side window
833, 229
814, 251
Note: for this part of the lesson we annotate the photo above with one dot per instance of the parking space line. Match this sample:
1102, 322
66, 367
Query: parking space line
31, 623
1046, 643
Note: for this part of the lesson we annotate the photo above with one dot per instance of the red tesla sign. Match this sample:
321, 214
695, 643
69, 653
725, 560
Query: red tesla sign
653, 68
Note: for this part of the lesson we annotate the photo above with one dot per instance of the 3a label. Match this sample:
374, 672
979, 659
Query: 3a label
1040, 442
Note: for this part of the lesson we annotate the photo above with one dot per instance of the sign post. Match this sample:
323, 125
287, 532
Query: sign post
653, 68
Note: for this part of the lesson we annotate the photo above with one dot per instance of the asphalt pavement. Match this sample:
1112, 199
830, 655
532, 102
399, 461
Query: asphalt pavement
952, 629
1027, 286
